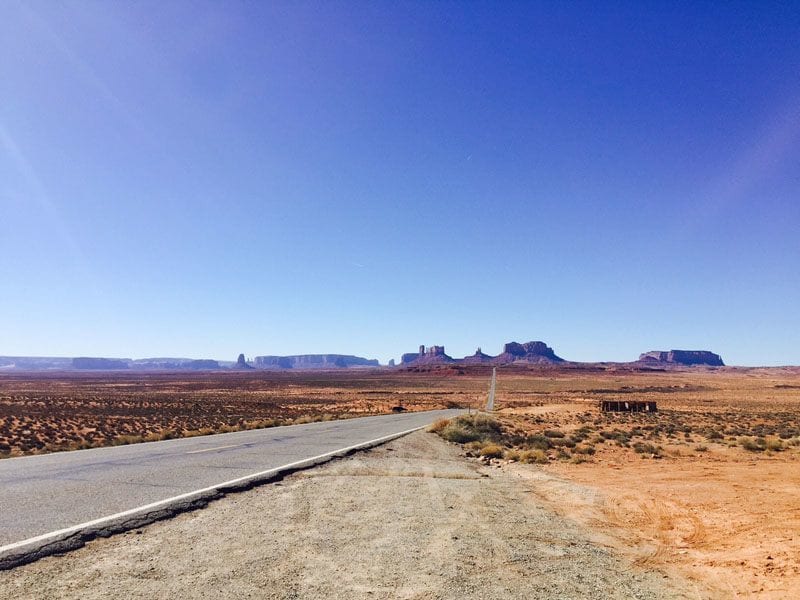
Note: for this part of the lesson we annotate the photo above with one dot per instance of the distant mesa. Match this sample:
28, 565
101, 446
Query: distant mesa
529, 352
433, 355
478, 358
682, 357
242, 364
204, 364
173, 364
99, 364
313, 361
427, 357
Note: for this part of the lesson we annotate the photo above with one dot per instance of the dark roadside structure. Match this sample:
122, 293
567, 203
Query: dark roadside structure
627, 406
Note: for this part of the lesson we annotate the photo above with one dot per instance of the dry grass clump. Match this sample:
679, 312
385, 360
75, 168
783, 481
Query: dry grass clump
124, 440
438, 425
774, 444
651, 449
491, 450
752, 444
471, 428
537, 457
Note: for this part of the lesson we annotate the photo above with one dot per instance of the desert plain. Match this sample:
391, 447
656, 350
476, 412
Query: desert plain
704, 490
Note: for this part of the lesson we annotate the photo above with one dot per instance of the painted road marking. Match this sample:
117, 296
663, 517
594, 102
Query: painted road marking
307, 462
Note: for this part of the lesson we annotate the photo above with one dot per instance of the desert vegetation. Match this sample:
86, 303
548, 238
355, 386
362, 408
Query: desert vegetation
705, 487
681, 488
44, 412
548, 411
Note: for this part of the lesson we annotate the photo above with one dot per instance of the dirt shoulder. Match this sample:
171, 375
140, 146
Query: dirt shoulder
717, 518
411, 519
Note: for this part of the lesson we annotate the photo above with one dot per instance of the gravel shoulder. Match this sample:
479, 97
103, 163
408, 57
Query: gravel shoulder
410, 519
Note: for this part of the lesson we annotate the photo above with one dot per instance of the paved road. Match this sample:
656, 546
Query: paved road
41, 494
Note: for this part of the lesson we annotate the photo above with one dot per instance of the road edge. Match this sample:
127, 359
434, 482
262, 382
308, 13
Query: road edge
72, 538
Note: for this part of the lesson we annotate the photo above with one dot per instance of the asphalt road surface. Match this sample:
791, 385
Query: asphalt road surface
46, 493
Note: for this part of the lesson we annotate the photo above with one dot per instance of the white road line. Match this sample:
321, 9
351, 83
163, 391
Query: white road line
212, 449
102, 520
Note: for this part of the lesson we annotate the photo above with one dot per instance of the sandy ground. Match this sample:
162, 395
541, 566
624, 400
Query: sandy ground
411, 519
728, 521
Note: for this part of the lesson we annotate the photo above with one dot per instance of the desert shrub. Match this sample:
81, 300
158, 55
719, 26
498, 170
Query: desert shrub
586, 449
537, 457
124, 440
578, 459
304, 419
262, 424
458, 433
438, 425
512, 454
774, 444
538, 442
701, 448
194, 432
472, 428
753, 444
644, 448
553, 433
491, 450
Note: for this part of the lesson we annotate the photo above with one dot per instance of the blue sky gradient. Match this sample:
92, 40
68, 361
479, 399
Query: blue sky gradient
203, 179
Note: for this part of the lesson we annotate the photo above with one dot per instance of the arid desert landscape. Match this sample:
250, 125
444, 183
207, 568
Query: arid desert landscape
704, 488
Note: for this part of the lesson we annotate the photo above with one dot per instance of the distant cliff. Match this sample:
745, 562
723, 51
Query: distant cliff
529, 352
100, 364
426, 356
683, 357
242, 364
203, 364
313, 361
479, 358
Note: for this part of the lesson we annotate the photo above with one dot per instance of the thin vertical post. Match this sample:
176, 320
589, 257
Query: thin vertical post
490, 402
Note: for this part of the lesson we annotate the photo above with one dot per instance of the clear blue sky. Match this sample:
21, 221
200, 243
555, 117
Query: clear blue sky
203, 179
